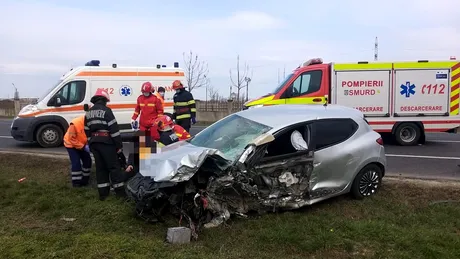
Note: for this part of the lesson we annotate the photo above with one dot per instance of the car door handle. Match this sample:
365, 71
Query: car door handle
317, 100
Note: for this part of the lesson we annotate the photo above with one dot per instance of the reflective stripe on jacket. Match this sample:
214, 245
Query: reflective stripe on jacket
184, 105
75, 136
149, 107
181, 132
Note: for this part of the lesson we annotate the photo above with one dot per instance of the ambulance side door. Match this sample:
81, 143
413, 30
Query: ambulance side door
67, 101
309, 87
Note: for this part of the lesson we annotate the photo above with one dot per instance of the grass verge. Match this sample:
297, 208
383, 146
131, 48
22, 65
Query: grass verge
405, 220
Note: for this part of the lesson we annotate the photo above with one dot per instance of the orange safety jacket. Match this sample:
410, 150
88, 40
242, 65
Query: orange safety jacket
162, 100
181, 132
75, 136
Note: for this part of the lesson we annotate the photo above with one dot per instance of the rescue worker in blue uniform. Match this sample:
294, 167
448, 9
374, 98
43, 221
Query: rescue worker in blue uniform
104, 139
184, 106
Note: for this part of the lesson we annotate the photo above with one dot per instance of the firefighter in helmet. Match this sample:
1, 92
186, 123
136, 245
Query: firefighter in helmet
149, 107
104, 139
165, 129
184, 106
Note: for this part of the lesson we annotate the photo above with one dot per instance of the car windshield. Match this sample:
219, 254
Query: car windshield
49, 90
230, 135
281, 85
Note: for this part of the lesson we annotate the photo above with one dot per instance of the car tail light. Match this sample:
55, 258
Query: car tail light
380, 141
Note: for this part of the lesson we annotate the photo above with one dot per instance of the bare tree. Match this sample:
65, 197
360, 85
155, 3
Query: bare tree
213, 94
195, 71
241, 75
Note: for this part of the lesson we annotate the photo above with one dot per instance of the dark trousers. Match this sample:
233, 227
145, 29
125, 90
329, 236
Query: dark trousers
108, 169
80, 173
184, 123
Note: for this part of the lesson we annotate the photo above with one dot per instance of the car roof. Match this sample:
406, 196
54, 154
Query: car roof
280, 116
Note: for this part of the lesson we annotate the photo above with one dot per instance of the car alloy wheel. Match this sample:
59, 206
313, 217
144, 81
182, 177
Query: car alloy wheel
369, 183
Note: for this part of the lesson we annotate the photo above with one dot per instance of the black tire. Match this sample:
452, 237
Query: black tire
49, 135
369, 175
407, 134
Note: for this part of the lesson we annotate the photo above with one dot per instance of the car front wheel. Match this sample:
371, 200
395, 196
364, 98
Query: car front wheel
367, 182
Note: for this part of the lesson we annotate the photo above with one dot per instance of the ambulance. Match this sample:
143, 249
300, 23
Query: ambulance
405, 99
47, 121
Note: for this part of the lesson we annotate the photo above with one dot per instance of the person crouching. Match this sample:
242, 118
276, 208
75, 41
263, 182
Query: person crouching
75, 141
165, 129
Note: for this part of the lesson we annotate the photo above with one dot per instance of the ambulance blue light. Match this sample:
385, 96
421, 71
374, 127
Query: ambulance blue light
163, 65
176, 64
93, 63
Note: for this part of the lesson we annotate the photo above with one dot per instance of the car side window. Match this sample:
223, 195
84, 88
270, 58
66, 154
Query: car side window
329, 132
72, 93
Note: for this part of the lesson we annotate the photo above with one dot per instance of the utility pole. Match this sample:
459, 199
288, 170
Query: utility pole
376, 49
206, 99
248, 80
278, 76
16, 93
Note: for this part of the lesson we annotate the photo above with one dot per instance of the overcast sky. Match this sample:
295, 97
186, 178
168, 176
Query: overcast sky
41, 40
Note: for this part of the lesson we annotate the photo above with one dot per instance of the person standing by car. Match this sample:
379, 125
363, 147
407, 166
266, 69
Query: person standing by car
184, 106
75, 142
149, 107
160, 94
101, 129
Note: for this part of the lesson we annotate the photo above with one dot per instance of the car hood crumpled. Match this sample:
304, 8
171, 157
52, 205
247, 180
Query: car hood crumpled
178, 162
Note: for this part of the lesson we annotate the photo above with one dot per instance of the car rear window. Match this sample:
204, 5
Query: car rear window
329, 132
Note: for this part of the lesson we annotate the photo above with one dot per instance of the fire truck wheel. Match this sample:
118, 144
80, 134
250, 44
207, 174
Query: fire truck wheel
407, 134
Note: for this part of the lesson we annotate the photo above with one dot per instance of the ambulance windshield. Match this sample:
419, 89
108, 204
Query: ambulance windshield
281, 85
49, 90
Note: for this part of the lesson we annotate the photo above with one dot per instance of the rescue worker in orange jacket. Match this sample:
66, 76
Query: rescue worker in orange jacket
160, 94
149, 107
75, 141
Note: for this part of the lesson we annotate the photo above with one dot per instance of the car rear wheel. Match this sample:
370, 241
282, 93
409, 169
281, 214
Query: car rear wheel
367, 182
49, 135
407, 134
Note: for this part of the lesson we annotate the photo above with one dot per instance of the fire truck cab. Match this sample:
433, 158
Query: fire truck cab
405, 99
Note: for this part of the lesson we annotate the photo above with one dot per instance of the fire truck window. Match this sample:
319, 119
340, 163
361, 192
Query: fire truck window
311, 82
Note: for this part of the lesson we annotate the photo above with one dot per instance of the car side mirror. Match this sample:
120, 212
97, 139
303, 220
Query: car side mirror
57, 102
86, 107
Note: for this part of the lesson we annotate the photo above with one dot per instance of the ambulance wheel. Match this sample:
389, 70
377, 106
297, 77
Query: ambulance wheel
407, 134
49, 135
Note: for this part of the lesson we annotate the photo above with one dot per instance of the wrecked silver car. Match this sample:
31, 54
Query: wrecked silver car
263, 159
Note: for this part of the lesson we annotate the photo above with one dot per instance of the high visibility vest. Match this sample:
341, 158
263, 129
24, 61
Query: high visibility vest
75, 136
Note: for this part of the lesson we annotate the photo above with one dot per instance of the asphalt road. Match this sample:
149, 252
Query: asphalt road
438, 158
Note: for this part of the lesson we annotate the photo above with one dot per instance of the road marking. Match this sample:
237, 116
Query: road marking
6, 137
429, 157
444, 141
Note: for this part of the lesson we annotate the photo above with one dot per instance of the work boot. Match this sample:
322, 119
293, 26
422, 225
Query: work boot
121, 193
84, 181
103, 197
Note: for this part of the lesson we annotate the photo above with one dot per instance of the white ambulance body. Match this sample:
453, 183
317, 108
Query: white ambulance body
47, 121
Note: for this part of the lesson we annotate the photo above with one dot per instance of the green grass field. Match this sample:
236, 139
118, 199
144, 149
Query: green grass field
400, 222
